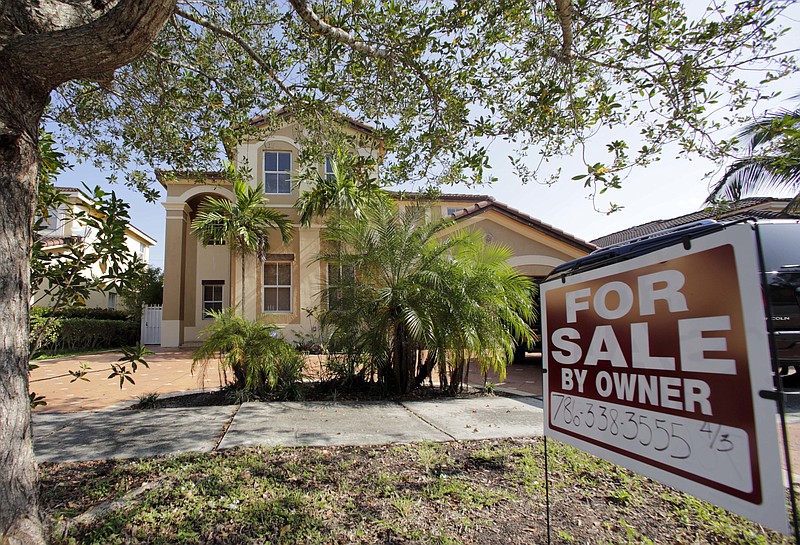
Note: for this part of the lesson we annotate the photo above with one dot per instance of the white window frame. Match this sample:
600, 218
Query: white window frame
453, 210
213, 300
277, 173
328, 168
112, 301
277, 287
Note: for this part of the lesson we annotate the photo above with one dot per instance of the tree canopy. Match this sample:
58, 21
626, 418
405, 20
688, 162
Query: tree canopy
440, 81
165, 84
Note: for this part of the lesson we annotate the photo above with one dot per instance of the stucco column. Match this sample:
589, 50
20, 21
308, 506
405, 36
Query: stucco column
174, 273
309, 269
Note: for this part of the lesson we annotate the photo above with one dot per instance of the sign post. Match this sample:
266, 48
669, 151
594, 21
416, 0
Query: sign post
656, 364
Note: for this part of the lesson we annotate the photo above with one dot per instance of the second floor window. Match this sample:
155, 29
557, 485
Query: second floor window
55, 222
277, 172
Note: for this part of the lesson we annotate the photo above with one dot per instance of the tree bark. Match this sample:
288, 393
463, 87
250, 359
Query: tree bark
42, 45
19, 506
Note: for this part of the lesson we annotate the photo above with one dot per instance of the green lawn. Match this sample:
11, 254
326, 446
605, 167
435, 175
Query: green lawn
470, 492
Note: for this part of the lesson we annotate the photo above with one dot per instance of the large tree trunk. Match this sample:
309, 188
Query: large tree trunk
19, 506
42, 44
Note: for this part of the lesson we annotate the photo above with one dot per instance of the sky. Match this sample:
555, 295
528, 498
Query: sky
665, 189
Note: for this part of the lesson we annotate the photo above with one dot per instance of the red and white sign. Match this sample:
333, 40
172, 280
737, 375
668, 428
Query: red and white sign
655, 364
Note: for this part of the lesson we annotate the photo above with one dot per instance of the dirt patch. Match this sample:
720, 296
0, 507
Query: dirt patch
308, 391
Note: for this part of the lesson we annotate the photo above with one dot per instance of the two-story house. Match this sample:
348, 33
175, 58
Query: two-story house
64, 225
198, 278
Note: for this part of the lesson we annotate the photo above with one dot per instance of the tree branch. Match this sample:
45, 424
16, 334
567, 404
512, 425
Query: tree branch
116, 37
564, 9
252, 53
312, 19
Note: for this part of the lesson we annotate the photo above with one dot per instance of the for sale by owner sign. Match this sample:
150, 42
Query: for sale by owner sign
655, 363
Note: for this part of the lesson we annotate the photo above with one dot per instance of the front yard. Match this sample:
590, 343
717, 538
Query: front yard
489, 492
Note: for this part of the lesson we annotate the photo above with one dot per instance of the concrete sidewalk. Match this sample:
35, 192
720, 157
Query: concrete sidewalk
89, 435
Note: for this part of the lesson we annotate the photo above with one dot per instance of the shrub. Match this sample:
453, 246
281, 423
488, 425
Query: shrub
44, 330
74, 334
260, 360
80, 312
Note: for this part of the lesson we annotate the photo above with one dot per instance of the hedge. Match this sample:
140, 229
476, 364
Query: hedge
81, 312
76, 334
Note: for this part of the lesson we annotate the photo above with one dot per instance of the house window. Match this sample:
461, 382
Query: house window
329, 175
339, 276
277, 172
220, 240
212, 297
277, 286
452, 210
112, 301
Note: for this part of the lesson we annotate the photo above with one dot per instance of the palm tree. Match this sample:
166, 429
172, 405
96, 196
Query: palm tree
244, 225
772, 161
350, 189
415, 290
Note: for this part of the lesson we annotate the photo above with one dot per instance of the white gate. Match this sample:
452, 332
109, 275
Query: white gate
151, 324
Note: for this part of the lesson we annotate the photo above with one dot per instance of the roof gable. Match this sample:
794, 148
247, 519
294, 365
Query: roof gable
491, 205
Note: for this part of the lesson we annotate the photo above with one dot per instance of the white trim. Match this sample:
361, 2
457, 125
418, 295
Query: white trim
279, 138
186, 195
278, 172
520, 260
142, 235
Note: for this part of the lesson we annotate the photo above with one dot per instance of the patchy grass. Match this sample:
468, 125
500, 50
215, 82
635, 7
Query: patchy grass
488, 492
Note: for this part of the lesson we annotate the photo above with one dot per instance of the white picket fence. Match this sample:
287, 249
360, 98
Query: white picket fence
151, 324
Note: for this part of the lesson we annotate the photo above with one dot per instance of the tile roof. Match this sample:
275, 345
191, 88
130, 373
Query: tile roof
261, 119
52, 242
441, 197
753, 207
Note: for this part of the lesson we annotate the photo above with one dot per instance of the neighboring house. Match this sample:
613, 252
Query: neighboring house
289, 282
63, 227
753, 207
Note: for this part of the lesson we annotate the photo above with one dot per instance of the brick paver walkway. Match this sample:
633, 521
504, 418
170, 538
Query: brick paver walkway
169, 372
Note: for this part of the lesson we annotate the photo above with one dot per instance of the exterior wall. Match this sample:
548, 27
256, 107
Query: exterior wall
535, 254
209, 263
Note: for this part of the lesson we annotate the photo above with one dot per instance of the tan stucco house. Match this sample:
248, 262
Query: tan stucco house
281, 289
63, 225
